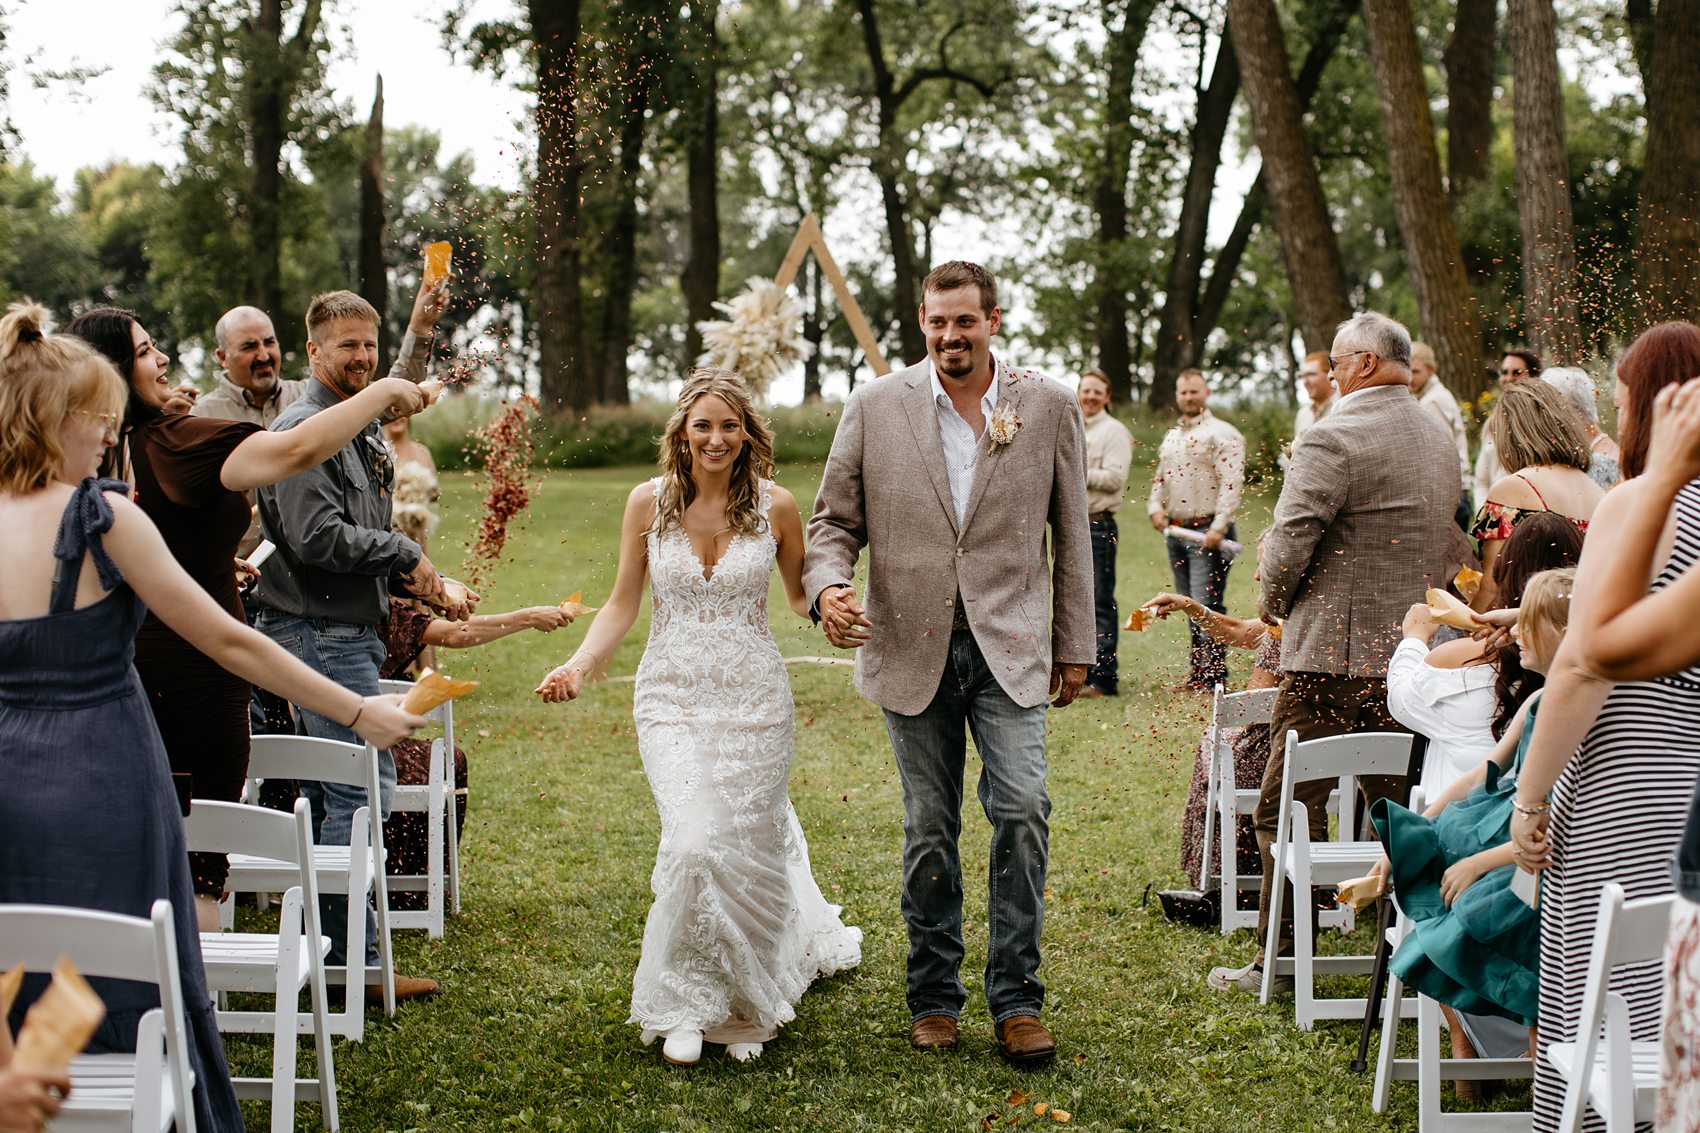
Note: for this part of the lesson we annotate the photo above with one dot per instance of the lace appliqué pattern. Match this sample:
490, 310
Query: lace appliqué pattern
739, 929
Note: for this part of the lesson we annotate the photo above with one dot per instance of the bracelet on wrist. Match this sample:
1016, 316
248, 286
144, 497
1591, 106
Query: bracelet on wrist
1530, 811
357, 713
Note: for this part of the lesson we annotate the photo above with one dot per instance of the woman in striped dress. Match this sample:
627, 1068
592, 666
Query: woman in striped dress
1620, 759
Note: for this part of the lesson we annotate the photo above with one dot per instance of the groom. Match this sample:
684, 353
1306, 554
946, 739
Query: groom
948, 473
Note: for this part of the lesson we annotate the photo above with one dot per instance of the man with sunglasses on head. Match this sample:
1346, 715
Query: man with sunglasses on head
1360, 532
327, 586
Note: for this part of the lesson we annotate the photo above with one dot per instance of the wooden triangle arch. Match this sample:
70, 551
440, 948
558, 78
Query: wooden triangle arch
808, 239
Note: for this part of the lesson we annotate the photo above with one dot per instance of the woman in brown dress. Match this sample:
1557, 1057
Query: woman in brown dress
189, 475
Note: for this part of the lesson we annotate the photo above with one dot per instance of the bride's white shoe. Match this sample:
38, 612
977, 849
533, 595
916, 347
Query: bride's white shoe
682, 1046
743, 1052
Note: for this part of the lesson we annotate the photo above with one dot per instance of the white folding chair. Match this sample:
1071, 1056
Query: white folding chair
1605, 1068
1304, 863
279, 964
1225, 802
148, 1090
356, 869
1429, 1068
438, 800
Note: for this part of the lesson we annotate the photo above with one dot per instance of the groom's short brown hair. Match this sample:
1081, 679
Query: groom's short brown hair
961, 273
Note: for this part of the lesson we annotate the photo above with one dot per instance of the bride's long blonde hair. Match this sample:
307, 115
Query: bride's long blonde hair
753, 464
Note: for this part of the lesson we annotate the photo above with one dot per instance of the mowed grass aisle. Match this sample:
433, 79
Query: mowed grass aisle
530, 1031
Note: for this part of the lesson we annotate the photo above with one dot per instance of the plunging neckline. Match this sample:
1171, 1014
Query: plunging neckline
705, 571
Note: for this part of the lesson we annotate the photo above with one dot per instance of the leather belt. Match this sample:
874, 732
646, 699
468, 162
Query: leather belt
1100, 516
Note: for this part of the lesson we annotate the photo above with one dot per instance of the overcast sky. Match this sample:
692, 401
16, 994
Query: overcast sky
65, 126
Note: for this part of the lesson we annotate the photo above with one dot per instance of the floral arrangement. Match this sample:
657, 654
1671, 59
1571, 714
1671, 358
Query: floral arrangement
1003, 426
760, 336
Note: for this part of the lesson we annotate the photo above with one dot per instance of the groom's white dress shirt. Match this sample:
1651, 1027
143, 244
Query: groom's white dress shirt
961, 446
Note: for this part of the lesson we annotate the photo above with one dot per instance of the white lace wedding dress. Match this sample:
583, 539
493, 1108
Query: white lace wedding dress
739, 929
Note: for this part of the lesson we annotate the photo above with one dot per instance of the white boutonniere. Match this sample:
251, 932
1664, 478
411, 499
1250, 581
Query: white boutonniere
1003, 425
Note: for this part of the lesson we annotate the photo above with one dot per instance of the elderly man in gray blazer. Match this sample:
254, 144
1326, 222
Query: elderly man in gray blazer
949, 473
1360, 532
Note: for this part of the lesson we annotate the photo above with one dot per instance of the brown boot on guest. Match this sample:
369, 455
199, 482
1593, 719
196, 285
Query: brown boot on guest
406, 987
1024, 1042
933, 1032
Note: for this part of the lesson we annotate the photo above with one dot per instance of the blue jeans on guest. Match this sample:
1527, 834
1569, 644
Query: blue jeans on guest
931, 751
1202, 575
1102, 674
349, 655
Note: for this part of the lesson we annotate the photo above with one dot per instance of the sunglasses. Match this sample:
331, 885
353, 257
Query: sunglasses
383, 464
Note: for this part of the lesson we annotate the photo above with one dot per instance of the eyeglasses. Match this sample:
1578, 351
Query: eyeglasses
1512, 371
111, 421
1334, 363
383, 464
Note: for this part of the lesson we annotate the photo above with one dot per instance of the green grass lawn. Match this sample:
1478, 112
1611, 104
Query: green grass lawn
531, 1033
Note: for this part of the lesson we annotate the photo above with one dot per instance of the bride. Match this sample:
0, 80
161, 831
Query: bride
739, 928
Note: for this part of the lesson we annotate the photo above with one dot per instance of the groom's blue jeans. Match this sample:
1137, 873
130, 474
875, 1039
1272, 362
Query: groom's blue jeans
350, 655
931, 751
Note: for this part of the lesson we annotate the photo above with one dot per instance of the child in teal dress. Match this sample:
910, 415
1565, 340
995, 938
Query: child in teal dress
1473, 944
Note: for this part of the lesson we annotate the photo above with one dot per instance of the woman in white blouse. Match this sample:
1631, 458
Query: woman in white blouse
1463, 693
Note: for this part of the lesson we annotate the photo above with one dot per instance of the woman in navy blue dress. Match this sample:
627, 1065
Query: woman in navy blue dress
88, 817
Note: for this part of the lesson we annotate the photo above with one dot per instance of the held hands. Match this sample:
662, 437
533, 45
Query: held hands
1419, 623
1065, 683
383, 721
842, 618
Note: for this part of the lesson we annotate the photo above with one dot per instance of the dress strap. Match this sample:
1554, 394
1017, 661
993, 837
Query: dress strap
87, 517
1533, 489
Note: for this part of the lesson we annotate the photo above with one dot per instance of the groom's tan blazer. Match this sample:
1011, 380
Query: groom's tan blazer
1028, 598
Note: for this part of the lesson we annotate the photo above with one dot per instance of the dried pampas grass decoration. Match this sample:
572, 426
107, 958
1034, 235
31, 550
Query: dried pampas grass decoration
760, 338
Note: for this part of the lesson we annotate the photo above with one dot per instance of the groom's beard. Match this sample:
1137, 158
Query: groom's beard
958, 367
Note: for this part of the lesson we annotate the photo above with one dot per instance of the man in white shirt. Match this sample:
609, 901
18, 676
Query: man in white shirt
1438, 400
1109, 454
1200, 475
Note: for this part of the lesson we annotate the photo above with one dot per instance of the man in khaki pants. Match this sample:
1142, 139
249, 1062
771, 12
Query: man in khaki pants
1360, 532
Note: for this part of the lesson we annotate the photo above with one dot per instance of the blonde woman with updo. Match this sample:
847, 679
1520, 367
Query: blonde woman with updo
739, 928
88, 816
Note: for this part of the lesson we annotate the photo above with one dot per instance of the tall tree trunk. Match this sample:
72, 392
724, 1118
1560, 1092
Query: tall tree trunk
1469, 95
1446, 311
274, 67
374, 280
1180, 343
1639, 16
701, 278
1551, 319
905, 289
1667, 247
557, 308
814, 330
1314, 267
1110, 192
1178, 332
622, 231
